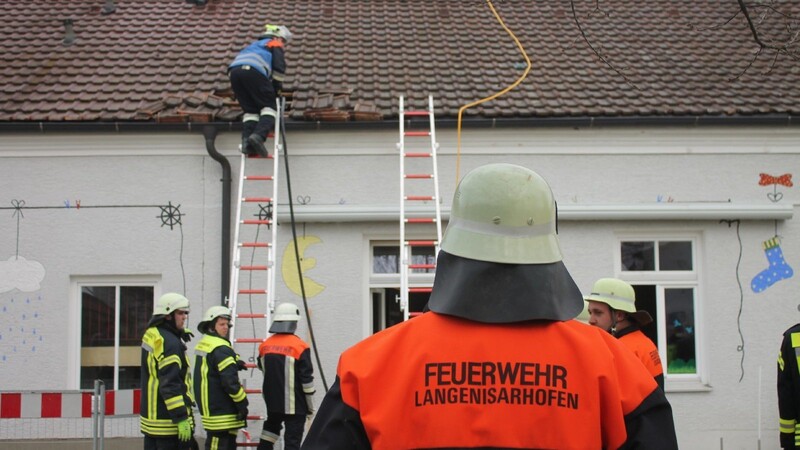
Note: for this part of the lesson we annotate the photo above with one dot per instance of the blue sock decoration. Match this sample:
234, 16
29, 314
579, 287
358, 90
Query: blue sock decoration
778, 269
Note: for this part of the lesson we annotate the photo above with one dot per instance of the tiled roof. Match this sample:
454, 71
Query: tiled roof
165, 60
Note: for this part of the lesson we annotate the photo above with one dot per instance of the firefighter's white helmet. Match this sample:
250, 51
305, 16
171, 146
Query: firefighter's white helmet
503, 213
280, 31
620, 296
285, 318
171, 302
500, 261
213, 313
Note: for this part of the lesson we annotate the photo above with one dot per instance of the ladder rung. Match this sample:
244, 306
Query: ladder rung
248, 340
254, 417
411, 315
421, 243
251, 316
252, 291
259, 157
252, 391
251, 365
258, 177
419, 175
418, 155
417, 133
247, 444
422, 266
257, 199
255, 244
256, 222
420, 290
416, 113
252, 267
420, 220
419, 197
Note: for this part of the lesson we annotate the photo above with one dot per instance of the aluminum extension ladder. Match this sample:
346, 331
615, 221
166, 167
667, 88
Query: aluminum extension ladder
427, 217
253, 267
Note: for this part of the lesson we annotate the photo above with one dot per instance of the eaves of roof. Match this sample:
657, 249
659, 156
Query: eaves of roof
775, 120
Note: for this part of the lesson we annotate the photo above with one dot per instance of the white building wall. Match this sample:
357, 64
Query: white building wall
622, 168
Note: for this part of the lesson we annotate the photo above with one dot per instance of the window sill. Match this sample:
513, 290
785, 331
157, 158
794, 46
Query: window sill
675, 386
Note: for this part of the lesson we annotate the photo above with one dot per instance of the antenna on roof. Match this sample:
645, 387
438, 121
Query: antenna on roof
69, 33
108, 8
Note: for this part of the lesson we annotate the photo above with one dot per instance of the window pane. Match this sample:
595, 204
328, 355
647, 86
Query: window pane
89, 374
423, 255
97, 316
679, 305
638, 256
129, 377
384, 259
136, 308
676, 255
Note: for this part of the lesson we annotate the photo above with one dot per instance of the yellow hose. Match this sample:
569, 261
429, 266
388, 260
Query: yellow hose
493, 96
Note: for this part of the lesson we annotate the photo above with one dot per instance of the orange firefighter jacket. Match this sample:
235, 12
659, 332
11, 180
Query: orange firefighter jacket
438, 381
645, 350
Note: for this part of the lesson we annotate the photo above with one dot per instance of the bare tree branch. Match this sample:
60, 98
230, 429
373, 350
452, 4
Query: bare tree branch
594, 50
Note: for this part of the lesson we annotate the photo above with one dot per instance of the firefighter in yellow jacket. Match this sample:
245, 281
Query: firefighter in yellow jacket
219, 394
789, 389
497, 362
166, 403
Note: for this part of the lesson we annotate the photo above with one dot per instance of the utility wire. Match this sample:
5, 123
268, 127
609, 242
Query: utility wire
297, 251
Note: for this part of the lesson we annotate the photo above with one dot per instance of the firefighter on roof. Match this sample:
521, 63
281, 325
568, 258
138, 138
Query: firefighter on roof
220, 397
166, 403
497, 362
256, 76
288, 386
612, 308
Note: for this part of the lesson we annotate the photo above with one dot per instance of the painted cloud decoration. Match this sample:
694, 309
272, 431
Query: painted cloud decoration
19, 273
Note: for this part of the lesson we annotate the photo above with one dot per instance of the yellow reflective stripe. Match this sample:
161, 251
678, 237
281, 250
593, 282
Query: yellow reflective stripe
223, 422
795, 340
787, 425
171, 359
158, 427
289, 373
239, 396
152, 387
174, 402
214, 443
225, 363
204, 392
189, 384
781, 364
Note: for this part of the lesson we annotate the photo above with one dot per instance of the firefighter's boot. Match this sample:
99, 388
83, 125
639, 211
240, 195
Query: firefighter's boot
266, 122
247, 129
256, 142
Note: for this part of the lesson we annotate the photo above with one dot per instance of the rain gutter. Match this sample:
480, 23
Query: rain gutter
773, 120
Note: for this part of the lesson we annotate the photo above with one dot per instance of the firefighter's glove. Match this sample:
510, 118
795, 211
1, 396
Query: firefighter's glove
184, 430
187, 335
241, 365
242, 410
310, 404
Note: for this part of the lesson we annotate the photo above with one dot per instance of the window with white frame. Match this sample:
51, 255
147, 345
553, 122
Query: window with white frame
664, 274
385, 282
113, 318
